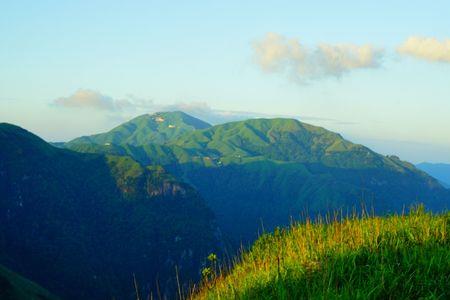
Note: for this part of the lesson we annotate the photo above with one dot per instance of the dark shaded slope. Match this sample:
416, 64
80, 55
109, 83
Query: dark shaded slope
249, 197
15, 287
81, 225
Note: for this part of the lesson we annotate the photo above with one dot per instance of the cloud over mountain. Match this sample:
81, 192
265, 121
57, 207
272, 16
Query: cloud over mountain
426, 48
121, 109
278, 54
85, 98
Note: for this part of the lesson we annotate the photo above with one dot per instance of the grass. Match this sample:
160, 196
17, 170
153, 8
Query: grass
394, 257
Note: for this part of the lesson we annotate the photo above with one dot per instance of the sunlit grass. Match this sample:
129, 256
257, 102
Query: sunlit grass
395, 257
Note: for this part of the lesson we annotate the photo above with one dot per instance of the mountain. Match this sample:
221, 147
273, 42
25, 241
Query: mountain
82, 225
260, 173
439, 171
157, 128
15, 287
395, 257
143, 204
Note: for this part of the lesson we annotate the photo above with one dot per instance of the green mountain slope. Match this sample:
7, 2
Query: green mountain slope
15, 287
157, 128
261, 172
82, 224
397, 257
283, 140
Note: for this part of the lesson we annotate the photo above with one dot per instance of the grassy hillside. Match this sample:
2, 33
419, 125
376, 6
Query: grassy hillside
157, 128
396, 257
284, 140
15, 287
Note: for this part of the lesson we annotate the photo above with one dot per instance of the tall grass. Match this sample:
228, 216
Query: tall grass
394, 257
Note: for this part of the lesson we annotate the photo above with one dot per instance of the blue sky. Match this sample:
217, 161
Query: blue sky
227, 60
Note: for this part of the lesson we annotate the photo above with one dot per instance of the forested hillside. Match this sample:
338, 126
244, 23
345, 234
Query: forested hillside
84, 225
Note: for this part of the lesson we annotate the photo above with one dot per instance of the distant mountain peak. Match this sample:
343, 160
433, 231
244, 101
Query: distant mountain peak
440, 171
156, 128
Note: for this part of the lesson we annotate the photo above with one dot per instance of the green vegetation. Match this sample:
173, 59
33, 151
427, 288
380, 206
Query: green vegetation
278, 140
83, 224
143, 199
15, 287
157, 128
282, 140
265, 171
396, 257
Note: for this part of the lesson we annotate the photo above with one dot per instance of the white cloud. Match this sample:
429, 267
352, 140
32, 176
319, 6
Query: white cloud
276, 53
203, 111
124, 108
85, 98
426, 48
214, 116
121, 110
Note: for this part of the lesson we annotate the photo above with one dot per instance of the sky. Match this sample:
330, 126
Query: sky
376, 72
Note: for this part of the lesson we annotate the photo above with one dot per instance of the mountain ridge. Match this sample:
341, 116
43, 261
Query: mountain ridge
257, 133
270, 170
157, 128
